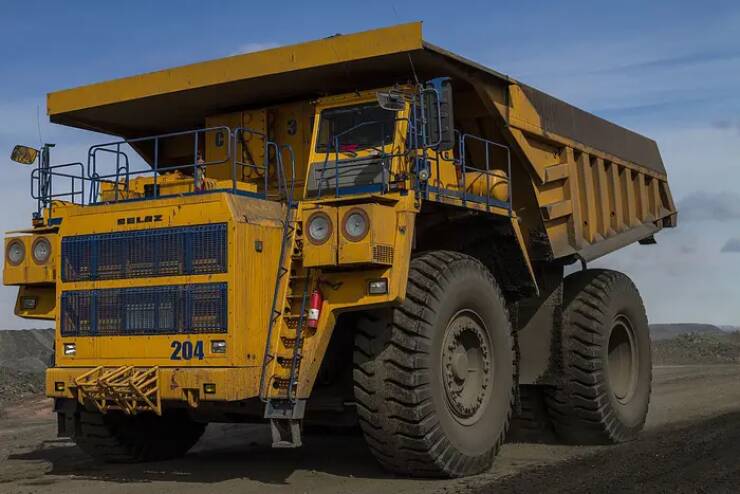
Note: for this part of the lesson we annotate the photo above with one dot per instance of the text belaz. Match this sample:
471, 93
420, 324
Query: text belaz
133, 220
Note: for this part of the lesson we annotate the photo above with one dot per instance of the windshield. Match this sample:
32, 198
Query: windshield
357, 127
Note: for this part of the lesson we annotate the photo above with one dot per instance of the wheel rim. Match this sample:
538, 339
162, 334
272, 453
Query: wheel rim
622, 360
467, 366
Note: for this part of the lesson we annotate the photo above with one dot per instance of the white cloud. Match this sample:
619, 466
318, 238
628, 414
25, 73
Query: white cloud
707, 206
684, 278
698, 158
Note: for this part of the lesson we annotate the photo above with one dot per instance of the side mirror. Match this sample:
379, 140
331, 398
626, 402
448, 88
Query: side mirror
391, 101
440, 117
24, 155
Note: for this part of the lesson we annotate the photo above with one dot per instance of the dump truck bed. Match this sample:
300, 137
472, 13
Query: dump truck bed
597, 186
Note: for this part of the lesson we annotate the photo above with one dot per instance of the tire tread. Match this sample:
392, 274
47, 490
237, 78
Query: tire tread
393, 397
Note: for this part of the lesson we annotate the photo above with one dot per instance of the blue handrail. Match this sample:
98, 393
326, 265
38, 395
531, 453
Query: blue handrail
43, 178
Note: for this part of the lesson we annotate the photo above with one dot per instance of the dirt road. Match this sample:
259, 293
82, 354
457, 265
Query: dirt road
692, 444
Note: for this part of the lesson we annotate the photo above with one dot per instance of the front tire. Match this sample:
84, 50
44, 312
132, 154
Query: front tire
434, 377
119, 438
605, 391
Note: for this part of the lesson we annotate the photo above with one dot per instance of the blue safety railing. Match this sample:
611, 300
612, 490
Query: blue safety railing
72, 187
419, 138
111, 163
488, 172
335, 175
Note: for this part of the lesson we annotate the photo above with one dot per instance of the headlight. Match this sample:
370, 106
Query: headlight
70, 349
319, 228
356, 224
41, 250
16, 252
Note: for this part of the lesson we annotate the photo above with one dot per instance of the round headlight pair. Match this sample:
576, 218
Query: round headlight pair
40, 251
355, 226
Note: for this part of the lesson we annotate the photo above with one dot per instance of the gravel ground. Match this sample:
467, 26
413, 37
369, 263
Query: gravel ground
691, 444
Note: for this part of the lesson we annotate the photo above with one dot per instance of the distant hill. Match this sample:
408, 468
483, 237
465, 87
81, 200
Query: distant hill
668, 331
26, 350
696, 348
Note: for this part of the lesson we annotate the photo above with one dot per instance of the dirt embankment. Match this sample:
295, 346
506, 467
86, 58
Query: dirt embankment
672, 330
698, 348
24, 355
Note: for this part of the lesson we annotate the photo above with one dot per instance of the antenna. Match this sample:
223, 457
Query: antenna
413, 69
411, 62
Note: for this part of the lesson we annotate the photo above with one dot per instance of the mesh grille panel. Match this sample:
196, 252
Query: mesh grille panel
383, 254
151, 310
145, 253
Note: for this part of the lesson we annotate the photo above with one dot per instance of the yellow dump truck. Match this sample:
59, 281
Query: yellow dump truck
362, 229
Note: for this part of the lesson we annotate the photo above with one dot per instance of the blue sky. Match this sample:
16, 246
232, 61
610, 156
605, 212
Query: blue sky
669, 69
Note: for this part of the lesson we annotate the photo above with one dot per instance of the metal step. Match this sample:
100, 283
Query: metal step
287, 362
285, 422
281, 383
288, 342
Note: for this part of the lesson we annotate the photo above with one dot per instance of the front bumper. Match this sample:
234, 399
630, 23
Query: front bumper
191, 384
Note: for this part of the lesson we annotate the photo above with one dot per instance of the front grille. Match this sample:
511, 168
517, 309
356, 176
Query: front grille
145, 253
180, 309
383, 254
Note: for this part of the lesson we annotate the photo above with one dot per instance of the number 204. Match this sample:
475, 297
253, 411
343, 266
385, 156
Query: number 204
187, 350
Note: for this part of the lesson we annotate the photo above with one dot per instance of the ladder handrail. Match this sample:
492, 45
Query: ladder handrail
286, 244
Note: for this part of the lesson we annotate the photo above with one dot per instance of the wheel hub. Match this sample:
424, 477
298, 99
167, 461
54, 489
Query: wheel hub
622, 360
460, 364
467, 365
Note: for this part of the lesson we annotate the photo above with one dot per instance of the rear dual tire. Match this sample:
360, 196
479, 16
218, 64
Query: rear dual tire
434, 377
604, 394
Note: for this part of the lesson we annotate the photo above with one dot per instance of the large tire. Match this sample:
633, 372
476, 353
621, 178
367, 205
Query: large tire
434, 377
119, 438
605, 391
